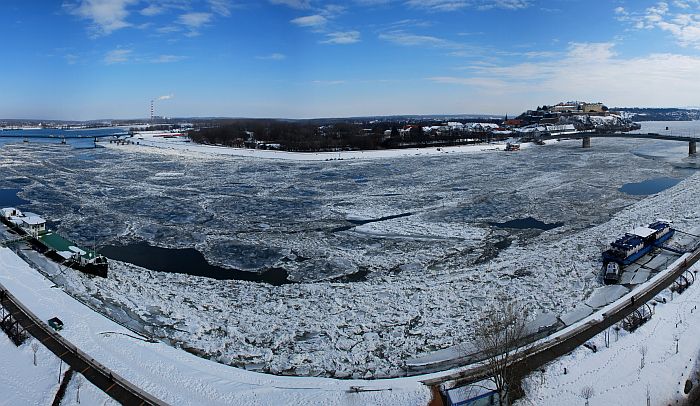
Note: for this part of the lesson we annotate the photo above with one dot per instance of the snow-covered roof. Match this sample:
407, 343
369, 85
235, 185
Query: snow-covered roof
467, 393
77, 250
531, 129
65, 254
643, 232
33, 220
561, 127
9, 211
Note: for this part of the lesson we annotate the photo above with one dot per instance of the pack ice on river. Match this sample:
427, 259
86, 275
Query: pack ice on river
385, 260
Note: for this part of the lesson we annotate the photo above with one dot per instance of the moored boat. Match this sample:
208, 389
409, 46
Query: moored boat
632, 246
54, 246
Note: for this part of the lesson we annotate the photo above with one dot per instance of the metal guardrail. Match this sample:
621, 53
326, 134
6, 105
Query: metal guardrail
145, 398
584, 332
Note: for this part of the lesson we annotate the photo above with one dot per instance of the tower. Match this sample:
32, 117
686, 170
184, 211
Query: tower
152, 111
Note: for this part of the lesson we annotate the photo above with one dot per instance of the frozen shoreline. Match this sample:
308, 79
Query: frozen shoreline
173, 375
178, 147
427, 238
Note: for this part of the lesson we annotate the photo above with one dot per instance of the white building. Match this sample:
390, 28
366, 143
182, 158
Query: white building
8, 212
31, 223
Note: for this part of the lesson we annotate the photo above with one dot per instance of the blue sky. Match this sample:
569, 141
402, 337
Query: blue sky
89, 59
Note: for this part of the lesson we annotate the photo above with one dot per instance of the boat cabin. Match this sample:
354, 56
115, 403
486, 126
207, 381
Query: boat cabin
8, 212
661, 228
33, 224
30, 223
627, 245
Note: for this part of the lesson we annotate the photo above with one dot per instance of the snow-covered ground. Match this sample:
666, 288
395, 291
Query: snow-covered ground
19, 372
616, 373
430, 273
181, 146
172, 375
23, 383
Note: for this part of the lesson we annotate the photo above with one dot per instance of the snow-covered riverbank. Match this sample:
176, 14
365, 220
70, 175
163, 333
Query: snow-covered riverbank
180, 146
168, 373
423, 229
616, 374
366, 329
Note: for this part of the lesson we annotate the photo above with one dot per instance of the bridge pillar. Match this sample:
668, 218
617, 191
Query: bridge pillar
586, 142
692, 148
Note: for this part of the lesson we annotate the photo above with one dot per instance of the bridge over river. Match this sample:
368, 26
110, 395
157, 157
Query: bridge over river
586, 138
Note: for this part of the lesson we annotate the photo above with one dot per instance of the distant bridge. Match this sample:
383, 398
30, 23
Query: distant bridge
586, 138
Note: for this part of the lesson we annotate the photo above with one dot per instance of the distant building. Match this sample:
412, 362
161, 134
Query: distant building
570, 107
593, 108
514, 123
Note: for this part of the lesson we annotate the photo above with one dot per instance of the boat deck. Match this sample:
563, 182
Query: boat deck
59, 244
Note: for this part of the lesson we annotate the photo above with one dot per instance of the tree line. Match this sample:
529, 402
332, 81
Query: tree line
325, 135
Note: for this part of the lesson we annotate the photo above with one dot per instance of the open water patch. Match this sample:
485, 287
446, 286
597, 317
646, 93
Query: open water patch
649, 186
9, 198
188, 261
528, 223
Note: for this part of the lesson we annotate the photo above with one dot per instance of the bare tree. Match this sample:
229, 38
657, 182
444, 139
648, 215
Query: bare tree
35, 348
78, 384
500, 334
676, 338
606, 337
643, 351
648, 396
587, 392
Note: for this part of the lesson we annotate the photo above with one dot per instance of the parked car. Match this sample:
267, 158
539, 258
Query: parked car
56, 324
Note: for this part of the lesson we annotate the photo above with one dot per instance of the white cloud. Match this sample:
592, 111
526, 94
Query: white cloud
404, 38
329, 82
152, 10
117, 56
166, 97
193, 21
452, 5
679, 21
342, 37
590, 72
313, 21
106, 16
167, 59
272, 57
297, 4
221, 7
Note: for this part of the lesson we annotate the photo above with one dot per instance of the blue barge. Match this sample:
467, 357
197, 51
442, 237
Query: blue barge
632, 246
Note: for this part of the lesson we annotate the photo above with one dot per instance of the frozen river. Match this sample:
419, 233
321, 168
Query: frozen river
390, 258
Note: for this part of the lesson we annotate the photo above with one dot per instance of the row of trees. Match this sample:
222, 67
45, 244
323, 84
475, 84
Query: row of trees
324, 135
